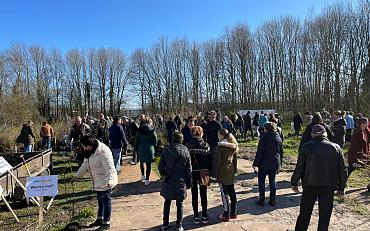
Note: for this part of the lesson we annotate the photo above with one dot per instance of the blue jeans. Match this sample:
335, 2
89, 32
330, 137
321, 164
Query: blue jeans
117, 158
105, 205
28, 147
261, 183
46, 142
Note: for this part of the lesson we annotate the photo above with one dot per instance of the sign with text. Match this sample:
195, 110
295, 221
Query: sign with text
4, 165
39, 186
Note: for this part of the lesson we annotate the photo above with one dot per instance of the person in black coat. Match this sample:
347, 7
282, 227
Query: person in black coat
175, 164
211, 133
269, 158
321, 168
297, 123
306, 136
134, 128
248, 125
171, 128
200, 160
339, 128
186, 131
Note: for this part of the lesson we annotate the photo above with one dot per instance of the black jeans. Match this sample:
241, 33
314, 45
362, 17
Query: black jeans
194, 196
104, 205
166, 212
246, 130
272, 182
228, 191
148, 169
325, 196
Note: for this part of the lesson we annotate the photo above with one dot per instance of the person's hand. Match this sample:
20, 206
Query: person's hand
340, 193
255, 169
295, 189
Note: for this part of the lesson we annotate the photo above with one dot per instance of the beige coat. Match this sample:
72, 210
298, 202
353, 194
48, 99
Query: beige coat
101, 168
225, 164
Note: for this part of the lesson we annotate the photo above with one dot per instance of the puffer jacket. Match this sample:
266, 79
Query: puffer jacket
145, 142
339, 130
320, 163
269, 154
176, 164
101, 168
225, 164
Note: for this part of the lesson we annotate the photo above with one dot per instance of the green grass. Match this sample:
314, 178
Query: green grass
75, 203
354, 205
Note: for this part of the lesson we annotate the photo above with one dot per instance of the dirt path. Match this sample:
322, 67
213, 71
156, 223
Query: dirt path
139, 207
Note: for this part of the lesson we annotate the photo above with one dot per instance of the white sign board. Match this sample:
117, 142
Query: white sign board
4, 165
39, 186
253, 112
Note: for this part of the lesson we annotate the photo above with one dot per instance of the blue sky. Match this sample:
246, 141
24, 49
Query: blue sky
137, 23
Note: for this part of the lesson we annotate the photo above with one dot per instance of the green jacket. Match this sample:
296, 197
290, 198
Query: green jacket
145, 143
225, 164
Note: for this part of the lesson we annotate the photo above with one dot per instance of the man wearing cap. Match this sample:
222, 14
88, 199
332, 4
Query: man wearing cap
321, 168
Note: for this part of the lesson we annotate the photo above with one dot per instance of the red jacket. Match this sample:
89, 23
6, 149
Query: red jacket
359, 149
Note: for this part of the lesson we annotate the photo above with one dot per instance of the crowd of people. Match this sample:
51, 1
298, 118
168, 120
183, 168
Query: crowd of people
203, 149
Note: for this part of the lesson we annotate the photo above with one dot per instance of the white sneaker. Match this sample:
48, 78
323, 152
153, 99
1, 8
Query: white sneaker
147, 182
142, 178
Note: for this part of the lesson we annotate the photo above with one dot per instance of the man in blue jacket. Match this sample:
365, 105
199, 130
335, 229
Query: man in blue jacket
117, 140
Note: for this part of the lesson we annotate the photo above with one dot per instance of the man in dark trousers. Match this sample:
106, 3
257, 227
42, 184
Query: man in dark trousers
248, 125
321, 168
117, 138
211, 133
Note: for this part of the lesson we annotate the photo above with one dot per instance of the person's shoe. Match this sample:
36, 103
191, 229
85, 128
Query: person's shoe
205, 219
163, 228
196, 220
180, 228
146, 182
272, 203
233, 216
104, 227
260, 202
96, 223
224, 218
143, 178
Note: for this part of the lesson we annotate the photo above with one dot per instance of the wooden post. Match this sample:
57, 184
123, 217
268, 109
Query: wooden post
24, 188
41, 213
10, 209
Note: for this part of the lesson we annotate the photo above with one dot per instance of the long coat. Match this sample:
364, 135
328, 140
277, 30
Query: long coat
145, 142
269, 154
225, 164
359, 149
176, 164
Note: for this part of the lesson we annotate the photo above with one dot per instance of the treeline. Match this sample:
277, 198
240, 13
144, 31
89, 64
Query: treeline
286, 64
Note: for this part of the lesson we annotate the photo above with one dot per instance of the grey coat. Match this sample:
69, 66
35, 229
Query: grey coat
176, 164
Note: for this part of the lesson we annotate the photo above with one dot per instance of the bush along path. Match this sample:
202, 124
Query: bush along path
139, 207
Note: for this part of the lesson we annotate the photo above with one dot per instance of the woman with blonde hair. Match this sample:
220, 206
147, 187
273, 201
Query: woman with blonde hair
225, 167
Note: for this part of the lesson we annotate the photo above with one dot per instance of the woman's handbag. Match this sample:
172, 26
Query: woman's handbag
204, 178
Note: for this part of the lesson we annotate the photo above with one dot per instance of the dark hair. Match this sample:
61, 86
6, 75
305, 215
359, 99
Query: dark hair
178, 137
45, 122
89, 141
316, 119
270, 126
115, 119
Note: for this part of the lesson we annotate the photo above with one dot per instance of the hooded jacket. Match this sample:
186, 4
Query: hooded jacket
269, 154
145, 142
176, 164
225, 165
101, 168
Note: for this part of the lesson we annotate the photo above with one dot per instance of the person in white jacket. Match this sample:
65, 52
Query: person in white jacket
98, 161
